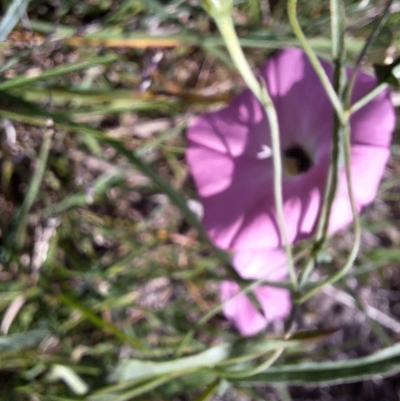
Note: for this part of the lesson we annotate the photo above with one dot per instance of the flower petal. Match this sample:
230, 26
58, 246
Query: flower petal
222, 149
302, 197
240, 311
304, 112
264, 263
374, 123
235, 183
237, 188
227, 130
367, 167
275, 303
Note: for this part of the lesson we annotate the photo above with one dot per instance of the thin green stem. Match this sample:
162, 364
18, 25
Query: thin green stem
357, 226
308, 268
338, 57
339, 77
330, 190
337, 29
336, 103
356, 217
245, 289
228, 33
360, 103
278, 195
259, 369
378, 27
227, 30
62, 70
345, 94
137, 390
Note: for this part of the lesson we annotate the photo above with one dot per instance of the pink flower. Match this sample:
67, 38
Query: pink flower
227, 154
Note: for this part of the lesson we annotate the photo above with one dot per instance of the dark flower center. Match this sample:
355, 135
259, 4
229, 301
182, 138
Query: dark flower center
296, 160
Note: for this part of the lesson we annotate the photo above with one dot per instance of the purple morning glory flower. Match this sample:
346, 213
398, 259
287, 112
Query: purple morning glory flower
228, 152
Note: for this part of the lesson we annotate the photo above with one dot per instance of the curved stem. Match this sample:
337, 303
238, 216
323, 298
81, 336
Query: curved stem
262, 367
347, 151
345, 95
347, 148
228, 33
292, 14
357, 226
338, 57
227, 30
364, 51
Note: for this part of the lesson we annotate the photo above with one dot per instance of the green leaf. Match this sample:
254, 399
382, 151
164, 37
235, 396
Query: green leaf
385, 362
246, 349
14, 13
21, 341
57, 71
137, 370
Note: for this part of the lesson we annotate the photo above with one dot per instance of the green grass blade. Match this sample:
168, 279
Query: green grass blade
385, 362
14, 13
262, 40
101, 323
57, 71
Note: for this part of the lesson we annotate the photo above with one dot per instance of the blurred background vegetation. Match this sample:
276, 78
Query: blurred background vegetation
107, 287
